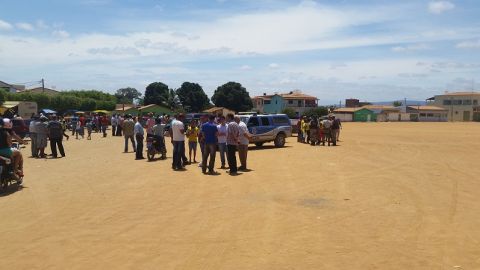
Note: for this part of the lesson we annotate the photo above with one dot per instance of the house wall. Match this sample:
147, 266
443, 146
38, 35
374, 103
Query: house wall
460, 107
364, 115
276, 105
344, 117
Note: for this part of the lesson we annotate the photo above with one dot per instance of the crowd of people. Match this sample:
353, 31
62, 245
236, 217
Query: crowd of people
317, 131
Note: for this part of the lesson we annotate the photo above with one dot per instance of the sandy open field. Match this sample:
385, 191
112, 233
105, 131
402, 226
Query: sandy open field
392, 196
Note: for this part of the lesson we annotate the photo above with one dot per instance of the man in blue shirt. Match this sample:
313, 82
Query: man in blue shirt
209, 133
139, 133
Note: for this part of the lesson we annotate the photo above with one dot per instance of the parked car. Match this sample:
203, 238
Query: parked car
268, 128
20, 127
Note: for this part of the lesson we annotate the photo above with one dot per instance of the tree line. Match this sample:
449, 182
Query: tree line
191, 97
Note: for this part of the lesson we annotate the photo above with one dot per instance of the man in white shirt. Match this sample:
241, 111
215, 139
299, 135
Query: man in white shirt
243, 141
222, 139
114, 122
139, 134
177, 133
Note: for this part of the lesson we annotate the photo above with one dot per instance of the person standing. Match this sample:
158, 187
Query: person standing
158, 131
222, 139
243, 141
73, 124
128, 132
327, 130
178, 140
192, 135
55, 133
209, 132
139, 135
120, 120
104, 123
314, 131
114, 122
33, 136
201, 140
335, 129
42, 136
336, 126
232, 143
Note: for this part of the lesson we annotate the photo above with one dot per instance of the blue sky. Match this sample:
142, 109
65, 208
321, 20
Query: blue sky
373, 50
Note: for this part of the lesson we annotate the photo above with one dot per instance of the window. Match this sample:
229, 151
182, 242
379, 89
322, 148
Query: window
265, 121
475, 102
281, 120
266, 102
429, 114
253, 122
467, 102
447, 102
299, 103
457, 102
423, 115
290, 102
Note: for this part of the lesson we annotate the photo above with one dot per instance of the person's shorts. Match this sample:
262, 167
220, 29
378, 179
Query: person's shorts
192, 145
6, 152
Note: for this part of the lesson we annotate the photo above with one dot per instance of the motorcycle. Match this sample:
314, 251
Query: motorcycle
155, 145
7, 176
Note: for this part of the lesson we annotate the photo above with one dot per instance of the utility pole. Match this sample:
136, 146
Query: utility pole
43, 85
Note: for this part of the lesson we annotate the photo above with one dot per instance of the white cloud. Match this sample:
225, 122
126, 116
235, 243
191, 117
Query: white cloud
411, 48
119, 51
41, 25
24, 26
273, 65
439, 7
474, 44
5, 25
60, 34
245, 67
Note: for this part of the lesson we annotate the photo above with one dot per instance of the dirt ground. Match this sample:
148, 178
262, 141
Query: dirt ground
391, 196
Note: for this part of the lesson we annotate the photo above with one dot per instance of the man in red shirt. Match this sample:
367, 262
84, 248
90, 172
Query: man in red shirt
104, 123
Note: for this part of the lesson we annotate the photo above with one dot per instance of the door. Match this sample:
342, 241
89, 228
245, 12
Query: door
265, 130
466, 116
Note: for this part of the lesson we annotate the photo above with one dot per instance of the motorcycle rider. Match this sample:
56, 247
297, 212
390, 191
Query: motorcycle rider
158, 131
6, 150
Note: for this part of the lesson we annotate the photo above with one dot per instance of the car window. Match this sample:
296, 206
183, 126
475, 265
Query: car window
253, 122
265, 121
280, 120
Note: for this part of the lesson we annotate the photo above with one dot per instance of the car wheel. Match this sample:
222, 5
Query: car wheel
280, 140
259, 144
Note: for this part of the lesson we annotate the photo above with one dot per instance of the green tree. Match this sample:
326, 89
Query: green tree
3, 95
318, 111
127, 95
290, 112
88, 104
156, 93
233, 96
192, 97
397, 103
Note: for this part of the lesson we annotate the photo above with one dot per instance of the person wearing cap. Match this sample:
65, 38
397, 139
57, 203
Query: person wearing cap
55, 134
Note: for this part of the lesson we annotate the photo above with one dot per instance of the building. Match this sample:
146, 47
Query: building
12, 88
155, 109
352, 103
41, 90
276, 103
219, 111
23, 109
361, 114
388, 113
427, 113
461, 106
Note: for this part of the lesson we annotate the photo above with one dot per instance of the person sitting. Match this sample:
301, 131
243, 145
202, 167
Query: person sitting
6, 148
16, 154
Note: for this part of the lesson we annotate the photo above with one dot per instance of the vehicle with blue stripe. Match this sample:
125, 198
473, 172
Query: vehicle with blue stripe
268, 128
